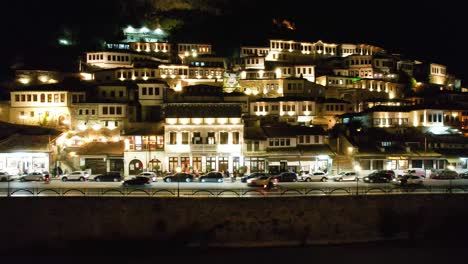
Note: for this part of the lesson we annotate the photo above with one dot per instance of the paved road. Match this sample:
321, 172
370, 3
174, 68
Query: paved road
55, 183
225, 189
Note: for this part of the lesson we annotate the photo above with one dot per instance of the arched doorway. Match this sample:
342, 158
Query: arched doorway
135, 167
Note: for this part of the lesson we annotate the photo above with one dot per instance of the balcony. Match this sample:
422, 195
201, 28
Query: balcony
203, 147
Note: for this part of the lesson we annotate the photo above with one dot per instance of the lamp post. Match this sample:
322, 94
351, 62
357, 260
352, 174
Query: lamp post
178, 170
357, 169
8, 184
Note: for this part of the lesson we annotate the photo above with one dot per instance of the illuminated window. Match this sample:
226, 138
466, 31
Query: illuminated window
211, 138
172, 138
173, 163
235, 138
223, 137
196, 138
185, 138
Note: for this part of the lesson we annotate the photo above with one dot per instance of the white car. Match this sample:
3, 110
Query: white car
149, 174
347, 176
417, 172
409, 180
75, 176
4, 176
314, 176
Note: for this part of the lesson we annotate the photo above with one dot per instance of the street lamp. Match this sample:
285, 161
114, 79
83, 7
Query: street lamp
178, 170
357, 169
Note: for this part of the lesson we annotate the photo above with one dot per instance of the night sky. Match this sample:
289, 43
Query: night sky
421, 30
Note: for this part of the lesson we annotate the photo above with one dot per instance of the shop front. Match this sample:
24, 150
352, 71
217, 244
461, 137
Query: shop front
23, 162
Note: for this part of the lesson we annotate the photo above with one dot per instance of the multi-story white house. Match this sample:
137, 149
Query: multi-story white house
45, 105
117, 59
203, 137
144, 148
360, 66
285, 109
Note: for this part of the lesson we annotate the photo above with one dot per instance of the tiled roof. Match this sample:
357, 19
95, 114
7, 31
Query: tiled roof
291, 131
203, 110
26, 143
254, 133
102, 148
142, 129
202, 90
8, 129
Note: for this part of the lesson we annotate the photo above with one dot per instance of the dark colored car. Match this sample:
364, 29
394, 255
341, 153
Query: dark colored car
380, 176
113, 176
444, 175
464, 175
212, 177
179, 177
252, 175
286, 177
138, 180
389, 172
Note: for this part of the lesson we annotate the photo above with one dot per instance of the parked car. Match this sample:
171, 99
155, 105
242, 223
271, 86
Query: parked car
113, 176
75, 176
346, 176
380, 176
32, 176
137, 180
263, 181
463, 175
252, 175
149, 174
314, 176
418, 172
286, 177
444, 174
4, 176
179, 177
409, 180
212, 177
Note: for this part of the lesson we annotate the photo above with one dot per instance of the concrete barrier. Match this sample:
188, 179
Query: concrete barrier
229, 222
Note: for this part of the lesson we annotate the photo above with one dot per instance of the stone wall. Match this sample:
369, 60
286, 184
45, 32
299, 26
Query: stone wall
56, 221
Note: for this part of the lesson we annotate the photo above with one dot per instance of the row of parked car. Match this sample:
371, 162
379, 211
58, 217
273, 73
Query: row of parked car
141, 178
253, 179
412, 176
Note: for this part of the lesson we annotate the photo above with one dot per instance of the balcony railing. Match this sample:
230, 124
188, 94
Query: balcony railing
203, 147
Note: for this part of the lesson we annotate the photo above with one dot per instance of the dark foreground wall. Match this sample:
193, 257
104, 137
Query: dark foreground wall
230, 222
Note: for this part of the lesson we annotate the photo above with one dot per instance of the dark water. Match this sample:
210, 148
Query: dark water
381, 252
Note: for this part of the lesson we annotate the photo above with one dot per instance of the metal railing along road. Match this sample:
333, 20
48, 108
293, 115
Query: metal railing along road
278, 191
